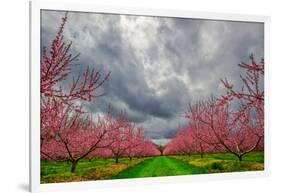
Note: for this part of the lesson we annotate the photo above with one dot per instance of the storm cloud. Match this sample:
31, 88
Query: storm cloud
158, 65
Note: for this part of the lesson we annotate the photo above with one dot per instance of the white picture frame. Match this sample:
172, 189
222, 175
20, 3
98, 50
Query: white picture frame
36, 6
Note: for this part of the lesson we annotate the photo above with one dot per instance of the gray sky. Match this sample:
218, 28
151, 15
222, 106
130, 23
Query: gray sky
158, 65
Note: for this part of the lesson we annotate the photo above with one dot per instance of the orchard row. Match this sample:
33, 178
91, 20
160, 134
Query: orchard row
232, 123
70, 133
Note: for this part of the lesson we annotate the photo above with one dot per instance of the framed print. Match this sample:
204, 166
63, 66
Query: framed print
123, 96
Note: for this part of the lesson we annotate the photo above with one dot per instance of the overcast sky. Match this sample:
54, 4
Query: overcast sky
158, 65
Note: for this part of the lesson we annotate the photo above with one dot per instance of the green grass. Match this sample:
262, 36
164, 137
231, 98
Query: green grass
159, 166
97, 169
102, 169
225, 162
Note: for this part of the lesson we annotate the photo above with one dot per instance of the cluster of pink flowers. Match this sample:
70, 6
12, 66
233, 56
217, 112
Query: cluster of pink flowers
85, 138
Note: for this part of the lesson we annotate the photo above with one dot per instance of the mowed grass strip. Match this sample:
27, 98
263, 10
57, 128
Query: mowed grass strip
159, 166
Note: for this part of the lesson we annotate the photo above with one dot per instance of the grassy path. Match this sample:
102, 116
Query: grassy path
103, 169
159, 166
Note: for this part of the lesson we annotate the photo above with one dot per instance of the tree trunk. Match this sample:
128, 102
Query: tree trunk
240, 158
73, 166
117, 160
201, 151
130, 158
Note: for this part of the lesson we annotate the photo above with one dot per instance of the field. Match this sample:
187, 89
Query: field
101, 169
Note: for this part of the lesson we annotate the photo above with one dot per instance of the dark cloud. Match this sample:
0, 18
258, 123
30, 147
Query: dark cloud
157, 65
